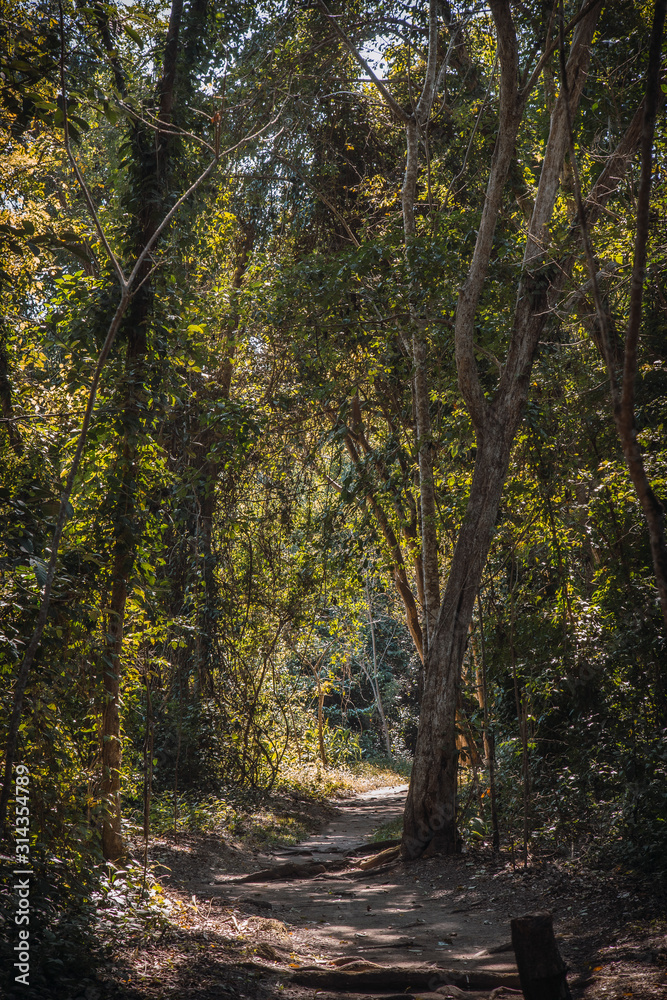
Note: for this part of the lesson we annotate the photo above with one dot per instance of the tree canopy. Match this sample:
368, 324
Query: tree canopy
333, 372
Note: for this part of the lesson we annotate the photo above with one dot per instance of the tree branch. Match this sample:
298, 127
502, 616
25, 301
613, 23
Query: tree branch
535, 286
623, 399
391, 102
508, 124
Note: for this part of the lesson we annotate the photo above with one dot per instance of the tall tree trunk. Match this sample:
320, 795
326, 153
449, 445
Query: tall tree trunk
429, 529
522, 720
375, 679
489, 741
151, 174
431, 804
414, 127
394, 549
623, 396
218, 389
430, 812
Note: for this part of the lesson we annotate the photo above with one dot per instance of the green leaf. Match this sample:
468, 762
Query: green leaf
134, 35
40, 570
110, 114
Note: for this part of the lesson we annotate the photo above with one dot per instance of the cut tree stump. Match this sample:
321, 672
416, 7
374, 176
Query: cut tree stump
542, 972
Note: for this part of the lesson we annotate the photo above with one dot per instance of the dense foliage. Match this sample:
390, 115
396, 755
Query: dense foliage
245, 520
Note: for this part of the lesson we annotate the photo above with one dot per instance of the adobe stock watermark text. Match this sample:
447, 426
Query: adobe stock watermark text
22, 873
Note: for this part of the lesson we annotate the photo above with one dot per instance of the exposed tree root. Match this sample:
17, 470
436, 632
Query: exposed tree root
311, 869
383, 858
399, 978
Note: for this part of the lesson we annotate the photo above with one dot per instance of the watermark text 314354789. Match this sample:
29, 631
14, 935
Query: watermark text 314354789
22, 873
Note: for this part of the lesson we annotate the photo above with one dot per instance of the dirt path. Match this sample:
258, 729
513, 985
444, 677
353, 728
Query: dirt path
425, 914
436, 920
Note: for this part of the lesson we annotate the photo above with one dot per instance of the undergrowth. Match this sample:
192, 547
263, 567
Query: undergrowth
263, 818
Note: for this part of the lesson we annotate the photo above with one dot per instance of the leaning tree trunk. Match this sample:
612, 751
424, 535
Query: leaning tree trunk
125, 543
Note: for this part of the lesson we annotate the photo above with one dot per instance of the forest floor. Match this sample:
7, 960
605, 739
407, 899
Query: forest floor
441, 926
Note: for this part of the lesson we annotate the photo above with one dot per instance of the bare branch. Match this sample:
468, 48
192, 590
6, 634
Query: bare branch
75, 166
535, 288
585, 235
550, 49
158, 125
425, 103
391, 102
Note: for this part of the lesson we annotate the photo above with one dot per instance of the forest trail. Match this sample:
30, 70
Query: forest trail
412, 915
255, 929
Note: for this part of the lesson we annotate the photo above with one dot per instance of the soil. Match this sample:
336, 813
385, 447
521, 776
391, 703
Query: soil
444, 921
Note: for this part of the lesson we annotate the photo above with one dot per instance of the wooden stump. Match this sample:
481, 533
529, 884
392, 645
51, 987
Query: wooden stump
542, 971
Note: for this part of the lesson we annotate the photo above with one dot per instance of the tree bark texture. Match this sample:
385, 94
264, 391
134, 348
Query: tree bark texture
430, 811
542, 971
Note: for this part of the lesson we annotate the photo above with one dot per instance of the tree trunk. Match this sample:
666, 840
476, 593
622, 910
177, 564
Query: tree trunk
112, 841
522, 720
375, 680
430, 811
127, 285
429, 529
399, 572
489, 741
320, 719
151, 176
205, 485
624, 401
542, 971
